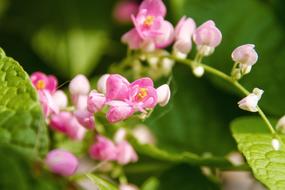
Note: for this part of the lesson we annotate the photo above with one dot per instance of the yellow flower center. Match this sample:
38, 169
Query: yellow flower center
40, 85
148, 20
142, 94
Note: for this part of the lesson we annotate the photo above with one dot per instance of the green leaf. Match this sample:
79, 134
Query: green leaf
254, 141
194, 121
150, 184
101, 183
21, 118
246, 21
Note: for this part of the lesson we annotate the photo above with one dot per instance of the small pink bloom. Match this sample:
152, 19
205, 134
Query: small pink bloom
183, 35
42, 81
79, 85
125, 153
60, 99
66, 123
207, 37
119, 111
163, 94
142, 94
154, 7
47, 103
245, 54
103, 149
85, 118
124, 9
132, 39
166, 35
102, 82
128, 187
117, 88
61, 162
96, 101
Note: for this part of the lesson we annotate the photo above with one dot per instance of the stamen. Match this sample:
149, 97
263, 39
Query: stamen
148, 20
142, 94
40, 85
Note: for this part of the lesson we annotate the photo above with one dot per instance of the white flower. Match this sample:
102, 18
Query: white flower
249, 103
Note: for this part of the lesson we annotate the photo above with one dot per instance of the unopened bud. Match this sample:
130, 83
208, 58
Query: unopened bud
60, 99
198, 71
163, 95
79, 85
281, 125
249, 103
101, 84
245, 54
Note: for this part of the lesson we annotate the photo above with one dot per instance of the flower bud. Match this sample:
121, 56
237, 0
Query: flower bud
80, 101
128, 187
85, 118
281, 125
95, 101
125, 153
166, 36
198, 71
249, 103
79, 85
61, 162
167, 65
207, 37
245, 54
120, 135
275, 144
119, 111
104, 149
117, 87
163, 95
143, 135
183, 35
101, 84
60, 99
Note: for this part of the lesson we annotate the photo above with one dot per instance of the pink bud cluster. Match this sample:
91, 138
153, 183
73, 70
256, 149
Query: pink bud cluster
123, 98
152, 31
105, 150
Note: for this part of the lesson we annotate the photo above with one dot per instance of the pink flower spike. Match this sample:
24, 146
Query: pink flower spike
154, 7
117, 88
42, 81
85, 118
103, 149
119, 111
79, 85
132, 39
183, 35
61, 162
96, 101
125, 153
245, 54
124, 9
207, 37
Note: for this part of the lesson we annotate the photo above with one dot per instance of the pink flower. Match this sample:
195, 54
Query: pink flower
48, 104
125, 153
245, 54
85, 118
61, 162
66, 123
142, 94
128, 187
124, 9
132, 39
119, 111
80, 101
42, 81
117, 88
207, 37
183, 35
154, 7
79, 85
96, 101
103, 149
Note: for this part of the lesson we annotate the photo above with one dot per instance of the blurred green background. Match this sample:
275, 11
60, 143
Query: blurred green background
81, 36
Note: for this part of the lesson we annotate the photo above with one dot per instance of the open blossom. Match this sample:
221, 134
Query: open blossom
183, 37
61, 162
125, 153
66, 123
42, 81
207, 37
103, 149
249, 103
151, 29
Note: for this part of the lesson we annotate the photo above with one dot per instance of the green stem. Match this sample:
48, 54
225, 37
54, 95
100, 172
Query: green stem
229, 79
